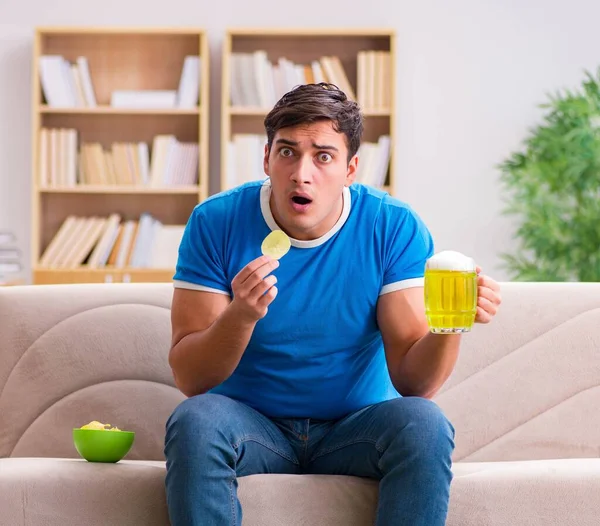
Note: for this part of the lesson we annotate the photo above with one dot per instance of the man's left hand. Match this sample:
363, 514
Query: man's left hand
488, 298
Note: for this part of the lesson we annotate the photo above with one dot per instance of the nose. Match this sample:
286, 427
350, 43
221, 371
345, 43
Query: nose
302, 172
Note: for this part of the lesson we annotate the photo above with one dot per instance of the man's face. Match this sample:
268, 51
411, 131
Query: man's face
308, 166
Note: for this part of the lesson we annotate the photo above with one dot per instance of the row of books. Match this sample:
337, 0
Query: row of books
113, 242
245, 153
10, 256
373, 162
245, 160
257, 82
64, 163
67, 84
374, 80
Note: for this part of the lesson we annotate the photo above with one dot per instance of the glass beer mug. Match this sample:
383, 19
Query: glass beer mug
450, 292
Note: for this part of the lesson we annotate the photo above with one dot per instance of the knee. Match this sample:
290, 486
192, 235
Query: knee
199, 417
422, 425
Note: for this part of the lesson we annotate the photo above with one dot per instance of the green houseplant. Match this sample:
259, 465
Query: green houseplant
554, 189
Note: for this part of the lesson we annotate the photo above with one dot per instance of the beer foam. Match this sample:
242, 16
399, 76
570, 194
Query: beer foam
450, 260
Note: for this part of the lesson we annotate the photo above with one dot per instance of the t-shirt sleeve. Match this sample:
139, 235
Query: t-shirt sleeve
409, 246
199, 262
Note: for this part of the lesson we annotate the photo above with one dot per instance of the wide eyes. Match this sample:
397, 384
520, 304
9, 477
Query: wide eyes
322, 157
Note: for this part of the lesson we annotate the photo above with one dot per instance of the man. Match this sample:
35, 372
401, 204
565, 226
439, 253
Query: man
321, 362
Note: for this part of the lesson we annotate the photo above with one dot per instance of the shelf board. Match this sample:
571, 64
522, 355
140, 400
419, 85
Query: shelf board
104, 270
294, 32
93, 189
250, 111
120, 30
243, 111
83, 274
109, 110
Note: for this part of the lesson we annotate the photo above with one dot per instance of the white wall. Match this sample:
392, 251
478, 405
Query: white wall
470, 76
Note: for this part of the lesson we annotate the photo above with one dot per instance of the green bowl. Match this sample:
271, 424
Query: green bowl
95, 445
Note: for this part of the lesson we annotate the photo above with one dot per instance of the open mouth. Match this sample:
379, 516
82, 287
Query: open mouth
299, 200
301, 203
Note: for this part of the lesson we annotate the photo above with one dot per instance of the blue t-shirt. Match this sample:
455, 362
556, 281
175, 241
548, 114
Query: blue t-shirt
318, 353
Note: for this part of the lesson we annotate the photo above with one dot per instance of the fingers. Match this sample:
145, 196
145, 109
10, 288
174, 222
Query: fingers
267, 298
254, 287
486, 306
488, 288
254, 272
263, 286
252, 267
490, 295
259, 277
486, 281
482, 316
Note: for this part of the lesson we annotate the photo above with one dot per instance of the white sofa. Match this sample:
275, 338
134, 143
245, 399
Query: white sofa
524, 401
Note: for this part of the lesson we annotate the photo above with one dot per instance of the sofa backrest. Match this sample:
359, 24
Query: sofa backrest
524, 387
70, 354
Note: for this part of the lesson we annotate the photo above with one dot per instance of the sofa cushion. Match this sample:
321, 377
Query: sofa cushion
62, 492
557, 492
73, 492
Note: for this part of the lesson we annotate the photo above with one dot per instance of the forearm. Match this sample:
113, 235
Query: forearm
203, 360
427, 365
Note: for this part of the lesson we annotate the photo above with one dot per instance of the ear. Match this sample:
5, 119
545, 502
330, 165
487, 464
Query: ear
351, 173
266, 160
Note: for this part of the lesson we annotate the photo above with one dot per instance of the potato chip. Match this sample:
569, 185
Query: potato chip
94, 424
276, 244
99, 426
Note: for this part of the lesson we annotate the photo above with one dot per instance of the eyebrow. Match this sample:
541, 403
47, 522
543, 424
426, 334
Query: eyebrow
317, 146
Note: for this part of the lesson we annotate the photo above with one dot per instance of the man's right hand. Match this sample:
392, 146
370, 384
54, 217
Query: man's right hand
211, 331
254, 289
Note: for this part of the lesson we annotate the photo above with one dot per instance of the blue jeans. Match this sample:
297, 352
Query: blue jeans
406, 444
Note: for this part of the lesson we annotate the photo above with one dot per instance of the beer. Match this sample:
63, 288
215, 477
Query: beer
450, 292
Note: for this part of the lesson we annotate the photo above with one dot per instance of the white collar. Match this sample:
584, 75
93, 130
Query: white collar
265, 195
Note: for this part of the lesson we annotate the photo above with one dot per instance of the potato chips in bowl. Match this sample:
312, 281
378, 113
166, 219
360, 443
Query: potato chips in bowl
98, 442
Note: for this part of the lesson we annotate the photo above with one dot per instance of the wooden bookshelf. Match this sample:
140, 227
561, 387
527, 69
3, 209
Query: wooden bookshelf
257, 66
119, 132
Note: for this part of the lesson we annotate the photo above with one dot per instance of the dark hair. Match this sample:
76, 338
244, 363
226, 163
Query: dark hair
316, 102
